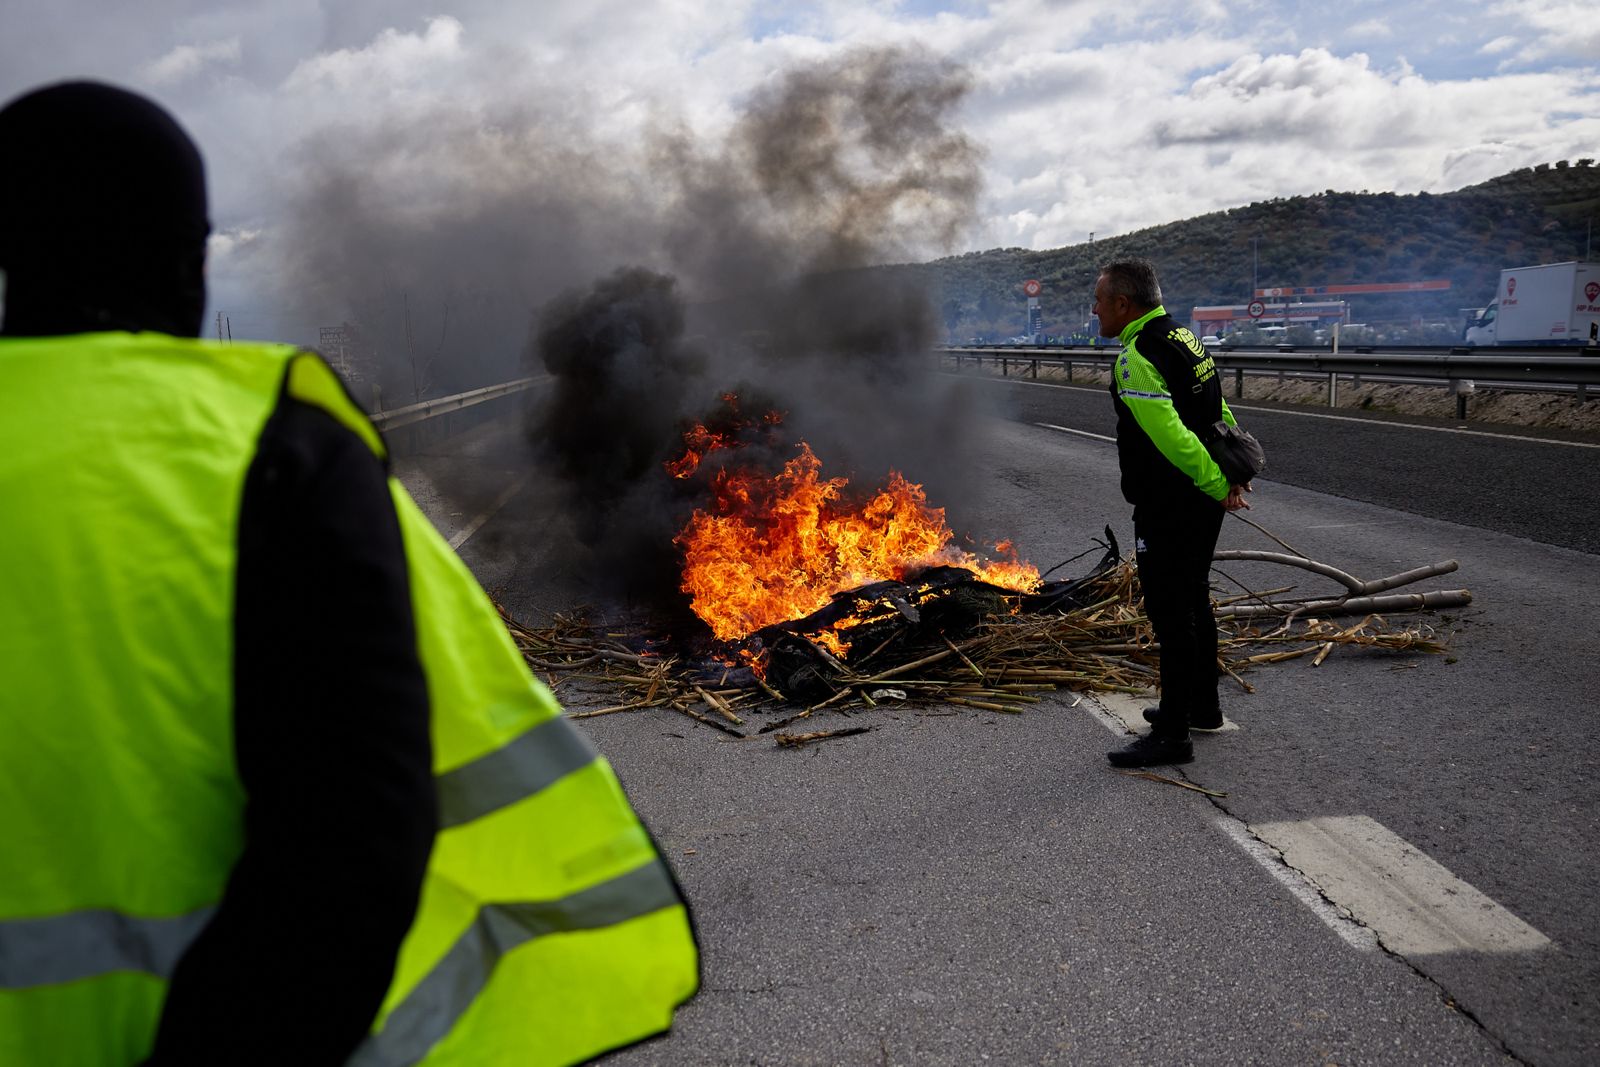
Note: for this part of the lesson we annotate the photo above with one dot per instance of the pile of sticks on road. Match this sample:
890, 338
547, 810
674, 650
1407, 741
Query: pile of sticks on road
1006, 662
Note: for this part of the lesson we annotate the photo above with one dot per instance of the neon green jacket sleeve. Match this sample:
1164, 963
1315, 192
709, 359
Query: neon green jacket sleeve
1227, 416
1145, 392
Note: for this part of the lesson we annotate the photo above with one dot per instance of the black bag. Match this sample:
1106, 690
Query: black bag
1236, 451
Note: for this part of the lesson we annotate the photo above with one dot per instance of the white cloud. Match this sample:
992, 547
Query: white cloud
392, 60
1173, 143
187, 60
226, 242
1097, 115
1562, 30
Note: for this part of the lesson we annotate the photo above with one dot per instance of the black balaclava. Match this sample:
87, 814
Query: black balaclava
102, 215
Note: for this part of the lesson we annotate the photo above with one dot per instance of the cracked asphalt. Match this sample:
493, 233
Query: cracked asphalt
959, 887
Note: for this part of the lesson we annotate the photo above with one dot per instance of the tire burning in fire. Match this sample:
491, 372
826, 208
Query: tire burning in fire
767, 547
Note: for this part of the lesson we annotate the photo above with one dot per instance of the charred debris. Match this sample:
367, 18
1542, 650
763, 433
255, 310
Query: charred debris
946, 637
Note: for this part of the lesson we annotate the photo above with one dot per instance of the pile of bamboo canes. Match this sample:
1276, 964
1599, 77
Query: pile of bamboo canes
1006, 663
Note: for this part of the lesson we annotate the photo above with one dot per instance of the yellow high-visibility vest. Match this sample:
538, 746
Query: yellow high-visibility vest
549, 929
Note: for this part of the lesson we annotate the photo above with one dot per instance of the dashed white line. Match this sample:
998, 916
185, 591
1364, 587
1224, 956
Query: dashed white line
1381, 886
1416, 906
1345, 525
1099, 707
1080, 433
1354, 935
1112, 711
1127, 712
488, 513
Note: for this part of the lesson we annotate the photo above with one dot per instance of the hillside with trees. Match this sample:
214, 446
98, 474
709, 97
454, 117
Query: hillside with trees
1540, 214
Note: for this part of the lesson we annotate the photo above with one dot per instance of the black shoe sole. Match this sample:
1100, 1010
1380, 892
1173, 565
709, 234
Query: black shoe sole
1124, 758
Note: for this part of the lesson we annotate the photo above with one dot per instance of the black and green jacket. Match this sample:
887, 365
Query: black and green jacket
1167, 392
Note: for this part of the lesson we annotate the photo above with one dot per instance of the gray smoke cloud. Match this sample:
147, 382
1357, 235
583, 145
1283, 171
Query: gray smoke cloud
437, 237
651, 284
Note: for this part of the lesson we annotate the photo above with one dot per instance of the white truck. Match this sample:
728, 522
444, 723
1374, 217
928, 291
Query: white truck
1551, 304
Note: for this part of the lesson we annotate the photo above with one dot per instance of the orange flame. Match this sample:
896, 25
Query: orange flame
700, 441
772, 548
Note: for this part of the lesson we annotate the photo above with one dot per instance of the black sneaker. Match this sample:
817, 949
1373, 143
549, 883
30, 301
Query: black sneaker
1152, 750
1208, 724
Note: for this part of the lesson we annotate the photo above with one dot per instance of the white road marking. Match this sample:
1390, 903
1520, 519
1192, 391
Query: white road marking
1395, 892
1127, 710
476, 524
1232, 406
1346, 525
1080, 433
1118, 712
1099, 706
1413, 903
1355, 935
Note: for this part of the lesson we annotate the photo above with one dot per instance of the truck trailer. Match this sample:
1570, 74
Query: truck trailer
1551, 304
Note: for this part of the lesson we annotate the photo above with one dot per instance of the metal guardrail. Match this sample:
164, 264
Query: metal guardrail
427, 409
1455, 367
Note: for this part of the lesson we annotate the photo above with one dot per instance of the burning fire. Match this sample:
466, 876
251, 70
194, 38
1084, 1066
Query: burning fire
772, 548
701, 440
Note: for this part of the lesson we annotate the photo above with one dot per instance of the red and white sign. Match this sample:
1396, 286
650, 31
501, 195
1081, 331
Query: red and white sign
1032, 287
1592, 291
1511, 287
1257, 309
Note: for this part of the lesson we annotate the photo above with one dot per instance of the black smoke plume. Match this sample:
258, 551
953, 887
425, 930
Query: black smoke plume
780, 232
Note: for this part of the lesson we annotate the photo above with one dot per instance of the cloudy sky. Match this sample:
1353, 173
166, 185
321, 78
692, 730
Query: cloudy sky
1095, 116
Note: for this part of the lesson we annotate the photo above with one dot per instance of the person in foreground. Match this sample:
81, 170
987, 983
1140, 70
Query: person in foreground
278, 787
1166, 392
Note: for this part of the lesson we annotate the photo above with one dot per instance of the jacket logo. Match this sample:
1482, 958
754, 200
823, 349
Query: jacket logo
1183, 336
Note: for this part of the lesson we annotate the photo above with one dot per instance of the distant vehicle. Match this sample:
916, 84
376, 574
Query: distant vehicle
1551, 304
1273, 332
1211, 340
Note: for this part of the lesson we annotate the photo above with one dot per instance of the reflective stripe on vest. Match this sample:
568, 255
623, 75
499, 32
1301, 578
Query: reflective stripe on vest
431, 1009
68, 948
125, 813
88, 944
545, 754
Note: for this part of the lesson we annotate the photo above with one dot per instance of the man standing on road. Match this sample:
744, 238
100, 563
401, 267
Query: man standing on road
278, 787
1166, 391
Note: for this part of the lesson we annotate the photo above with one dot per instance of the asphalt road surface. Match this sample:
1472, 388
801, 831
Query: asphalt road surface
1401, 869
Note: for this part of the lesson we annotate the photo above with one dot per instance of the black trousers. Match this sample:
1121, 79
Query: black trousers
1174, 542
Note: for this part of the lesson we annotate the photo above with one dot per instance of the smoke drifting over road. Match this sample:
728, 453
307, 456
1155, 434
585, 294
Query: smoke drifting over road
657, 280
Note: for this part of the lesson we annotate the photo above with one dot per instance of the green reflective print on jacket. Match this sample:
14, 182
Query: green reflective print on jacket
549, 929
1140, 386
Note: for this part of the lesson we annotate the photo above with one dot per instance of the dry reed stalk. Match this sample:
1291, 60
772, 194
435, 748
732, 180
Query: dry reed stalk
1106, 646
797, 740
719, 707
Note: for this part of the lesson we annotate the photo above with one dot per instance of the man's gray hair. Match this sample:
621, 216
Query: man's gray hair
1134, 279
